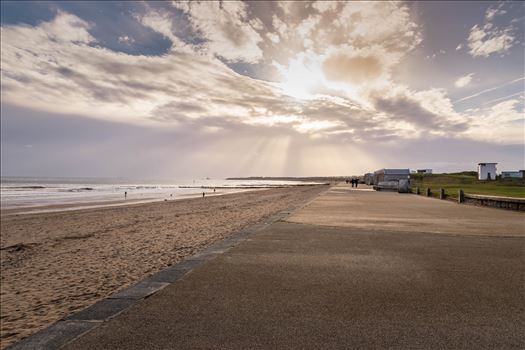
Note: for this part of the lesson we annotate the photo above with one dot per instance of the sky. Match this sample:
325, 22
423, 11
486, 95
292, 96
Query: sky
218, 89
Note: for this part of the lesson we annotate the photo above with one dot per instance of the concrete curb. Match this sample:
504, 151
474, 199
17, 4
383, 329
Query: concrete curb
64, 331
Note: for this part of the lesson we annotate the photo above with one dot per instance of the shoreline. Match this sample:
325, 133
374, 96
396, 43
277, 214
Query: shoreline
73, 206
57, 263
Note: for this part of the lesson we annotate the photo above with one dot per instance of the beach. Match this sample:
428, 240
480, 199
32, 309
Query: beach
56, 263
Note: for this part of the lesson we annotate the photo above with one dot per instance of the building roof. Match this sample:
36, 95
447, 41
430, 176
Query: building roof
394, 171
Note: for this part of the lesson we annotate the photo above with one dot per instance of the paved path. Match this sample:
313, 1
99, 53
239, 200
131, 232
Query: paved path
352, 270
391, 211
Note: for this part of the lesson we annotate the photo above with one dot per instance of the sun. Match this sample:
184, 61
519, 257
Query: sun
302, 78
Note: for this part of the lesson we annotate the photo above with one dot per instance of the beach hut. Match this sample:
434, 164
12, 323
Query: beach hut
385, 175
369, 179
487, 171
515, 174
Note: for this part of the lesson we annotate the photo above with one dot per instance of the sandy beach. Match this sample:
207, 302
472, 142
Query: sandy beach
54, 264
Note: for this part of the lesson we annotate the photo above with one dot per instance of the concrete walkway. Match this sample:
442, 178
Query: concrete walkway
352, 270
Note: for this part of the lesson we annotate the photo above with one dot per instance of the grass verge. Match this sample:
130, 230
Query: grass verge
469, 183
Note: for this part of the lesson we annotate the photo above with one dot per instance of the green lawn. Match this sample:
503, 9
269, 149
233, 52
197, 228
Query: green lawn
469, 184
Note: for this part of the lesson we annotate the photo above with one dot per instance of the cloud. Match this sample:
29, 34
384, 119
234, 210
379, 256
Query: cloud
502, 123
126, 40
421, 113
66, 28
464, 80
176, 90
58, 67
325, 6
226, 29
163, 24
486, 40
338, 47
494, 11
356, 69
364, 25
459, 47
339, 28
273, 37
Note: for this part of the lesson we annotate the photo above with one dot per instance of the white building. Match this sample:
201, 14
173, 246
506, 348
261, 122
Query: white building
424, 171
519, 174
487, 171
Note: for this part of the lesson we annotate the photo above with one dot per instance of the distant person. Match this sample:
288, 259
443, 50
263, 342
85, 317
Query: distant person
214, 190
125, 194
356, 182
203, 194
353, 182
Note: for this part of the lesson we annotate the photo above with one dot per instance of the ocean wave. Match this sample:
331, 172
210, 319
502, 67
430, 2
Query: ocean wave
81, 189
26, 187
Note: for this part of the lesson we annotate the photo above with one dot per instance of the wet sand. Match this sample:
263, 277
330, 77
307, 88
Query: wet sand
107, 203
57, 263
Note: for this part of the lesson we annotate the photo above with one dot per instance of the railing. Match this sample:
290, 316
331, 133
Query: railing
475, 199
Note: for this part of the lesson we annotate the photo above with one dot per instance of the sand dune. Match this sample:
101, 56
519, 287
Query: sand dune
56, 263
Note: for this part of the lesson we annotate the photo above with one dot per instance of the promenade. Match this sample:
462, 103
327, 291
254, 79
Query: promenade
354, 269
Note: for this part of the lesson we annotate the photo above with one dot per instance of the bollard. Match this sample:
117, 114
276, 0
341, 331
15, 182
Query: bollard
428, 192
441, 193
417, 190
461, 196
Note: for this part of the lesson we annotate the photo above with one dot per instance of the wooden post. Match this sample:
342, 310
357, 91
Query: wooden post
428, 192
417, 190
441, 193
461, 196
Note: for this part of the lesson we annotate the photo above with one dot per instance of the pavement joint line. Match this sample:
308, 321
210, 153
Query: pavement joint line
140, 290
77, 324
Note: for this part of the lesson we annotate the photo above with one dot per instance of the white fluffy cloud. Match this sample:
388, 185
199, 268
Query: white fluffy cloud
502, 123
486, 40
162, 23
464, 80
226, 28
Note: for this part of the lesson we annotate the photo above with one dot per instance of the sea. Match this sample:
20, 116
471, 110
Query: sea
43, 194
